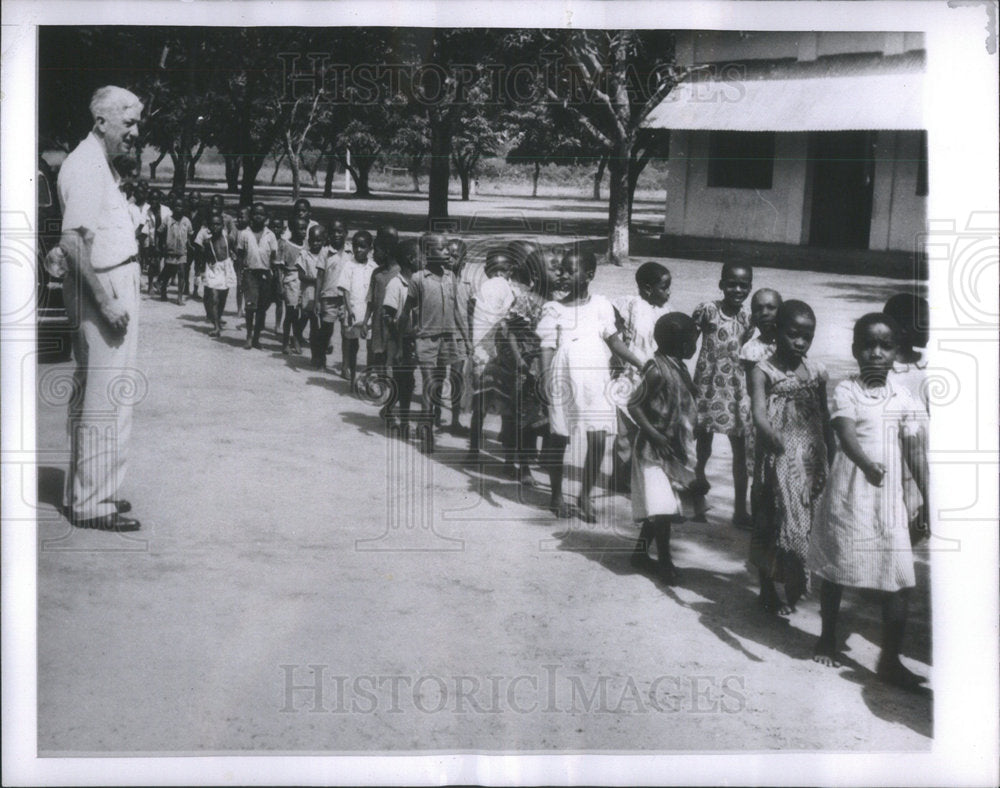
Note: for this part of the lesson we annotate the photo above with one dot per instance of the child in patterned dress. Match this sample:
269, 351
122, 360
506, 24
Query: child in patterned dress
860, 538
792, 424
663, 454
723, 404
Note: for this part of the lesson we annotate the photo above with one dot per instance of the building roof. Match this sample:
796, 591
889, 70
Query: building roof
831, 94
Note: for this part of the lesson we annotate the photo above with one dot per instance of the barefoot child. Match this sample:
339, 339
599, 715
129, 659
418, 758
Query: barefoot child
220, 275
912, 314
384, 255
792, 425
289, 250
401, 353
177, 233
663, 409
331, 300
279, 228
309, 264
578, 336
761, 343
723, 404
492, 303
353, 282
637, 315
256, 251
860, 538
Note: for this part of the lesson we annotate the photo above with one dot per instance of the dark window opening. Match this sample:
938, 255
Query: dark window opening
741, 159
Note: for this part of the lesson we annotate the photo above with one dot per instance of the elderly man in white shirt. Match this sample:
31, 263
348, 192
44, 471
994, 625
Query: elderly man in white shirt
101, 291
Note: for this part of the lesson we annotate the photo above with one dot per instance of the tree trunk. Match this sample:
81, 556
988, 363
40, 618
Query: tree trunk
440, 174
277, 166
331, 168
252, 162
415, 173
464, 176
599, 175
534, 178
232, 162
154, 164
618, 241
360, 174
194, 160
293, 160
180, 171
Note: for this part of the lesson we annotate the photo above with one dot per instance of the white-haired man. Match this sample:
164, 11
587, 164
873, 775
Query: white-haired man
101, 290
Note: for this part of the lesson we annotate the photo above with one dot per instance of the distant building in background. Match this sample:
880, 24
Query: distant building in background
806, 139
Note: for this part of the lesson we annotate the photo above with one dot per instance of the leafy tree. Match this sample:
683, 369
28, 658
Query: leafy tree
412, 143
542, 139
476, 135
610, 80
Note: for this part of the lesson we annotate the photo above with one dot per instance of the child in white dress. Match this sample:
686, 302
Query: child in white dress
860, 537
577, 336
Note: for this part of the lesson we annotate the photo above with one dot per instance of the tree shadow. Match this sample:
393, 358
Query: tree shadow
875, 294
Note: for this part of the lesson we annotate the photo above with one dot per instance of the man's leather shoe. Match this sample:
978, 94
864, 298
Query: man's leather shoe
109, 522
123, 506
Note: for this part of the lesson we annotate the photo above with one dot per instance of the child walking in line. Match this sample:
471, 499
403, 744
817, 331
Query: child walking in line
463, 332
279, 227
492, 303
384, 255
354, 281
762, 342
256, 252
912, 314
401, 352
792, 426
663, 454
289, 250
577, 337
331, 300
242, 222
519, 361
177, 232
156, 218
637, 315
309, 265
432, 294
220, 275
723, 404
860, 538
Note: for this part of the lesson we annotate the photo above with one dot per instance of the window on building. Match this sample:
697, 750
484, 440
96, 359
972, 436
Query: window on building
922, 166
741, 159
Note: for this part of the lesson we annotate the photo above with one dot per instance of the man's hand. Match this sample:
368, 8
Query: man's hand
115, 315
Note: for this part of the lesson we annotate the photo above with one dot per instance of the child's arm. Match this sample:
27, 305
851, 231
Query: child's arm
848, 438
621, 350
652, 380
408, 307
828, 434
758, 403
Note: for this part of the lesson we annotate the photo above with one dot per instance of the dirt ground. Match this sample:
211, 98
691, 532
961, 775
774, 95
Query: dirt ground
303, 582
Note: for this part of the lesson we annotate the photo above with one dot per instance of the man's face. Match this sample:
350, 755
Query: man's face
120, 130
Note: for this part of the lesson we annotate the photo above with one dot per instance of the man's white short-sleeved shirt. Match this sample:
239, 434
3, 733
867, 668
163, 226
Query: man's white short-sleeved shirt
91, 200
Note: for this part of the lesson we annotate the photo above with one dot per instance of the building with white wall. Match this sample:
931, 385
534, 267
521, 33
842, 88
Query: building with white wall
799, 138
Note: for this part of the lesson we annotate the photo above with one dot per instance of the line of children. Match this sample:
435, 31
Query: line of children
541, 345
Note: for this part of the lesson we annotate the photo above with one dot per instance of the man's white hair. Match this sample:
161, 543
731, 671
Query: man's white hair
112, 99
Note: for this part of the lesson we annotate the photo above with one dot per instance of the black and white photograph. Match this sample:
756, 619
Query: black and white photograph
503, 394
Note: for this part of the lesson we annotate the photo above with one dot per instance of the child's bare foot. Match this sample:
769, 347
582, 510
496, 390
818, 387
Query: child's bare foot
742, 521
892, 671
526, 477
825, 654
559, 508
668, 573
586, 507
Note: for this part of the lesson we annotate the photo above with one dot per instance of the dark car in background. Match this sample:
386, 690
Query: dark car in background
54, 332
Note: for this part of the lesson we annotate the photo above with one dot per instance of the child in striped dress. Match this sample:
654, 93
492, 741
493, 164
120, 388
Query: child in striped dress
860, 538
